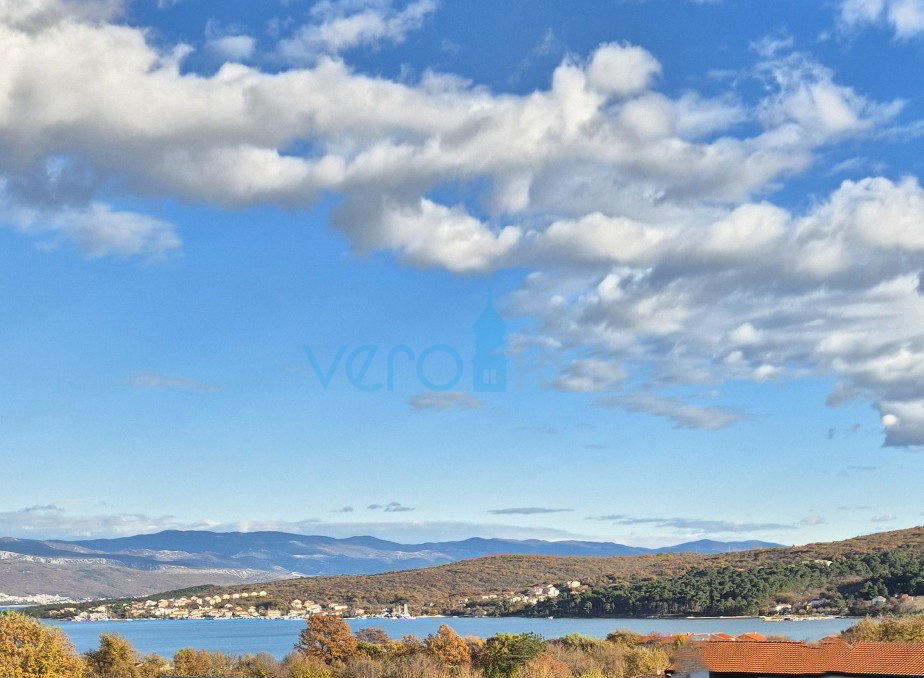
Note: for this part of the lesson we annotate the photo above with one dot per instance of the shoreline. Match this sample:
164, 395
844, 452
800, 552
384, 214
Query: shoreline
769, 620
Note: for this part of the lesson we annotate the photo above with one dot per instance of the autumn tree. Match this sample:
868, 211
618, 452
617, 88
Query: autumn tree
262, 665
373, 637
640, 660
29, 649
447, 647
299, 665
891, 630
544, 665
864, 630
189, 662
624, 637
411, 645
327, 638
115, 658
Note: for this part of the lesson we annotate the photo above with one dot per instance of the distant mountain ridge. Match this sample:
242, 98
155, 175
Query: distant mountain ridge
147, 563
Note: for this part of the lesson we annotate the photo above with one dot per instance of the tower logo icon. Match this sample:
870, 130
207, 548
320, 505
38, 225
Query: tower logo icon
490, 363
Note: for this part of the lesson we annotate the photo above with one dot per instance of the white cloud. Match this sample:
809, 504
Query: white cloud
684, 415
232, 47
55, 524
621, 70
643, 215
36, 15
340, 25
904, 17
97, 229
809, 97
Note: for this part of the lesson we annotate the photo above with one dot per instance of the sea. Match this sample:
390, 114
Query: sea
277, 637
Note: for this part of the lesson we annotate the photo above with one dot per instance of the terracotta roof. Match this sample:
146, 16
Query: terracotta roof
783, 659
751, 636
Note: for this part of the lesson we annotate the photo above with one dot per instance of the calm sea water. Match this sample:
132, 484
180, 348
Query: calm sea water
277, 637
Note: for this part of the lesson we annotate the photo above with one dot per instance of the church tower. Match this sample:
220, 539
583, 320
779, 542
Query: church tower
490, 363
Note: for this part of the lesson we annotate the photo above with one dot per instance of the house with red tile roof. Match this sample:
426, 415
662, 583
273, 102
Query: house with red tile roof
743, 658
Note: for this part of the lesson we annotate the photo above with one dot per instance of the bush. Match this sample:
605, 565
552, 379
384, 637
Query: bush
544, 666
262, 665
624, 637
196, 663
578, 642
361, 667
504, 653
297, 665
641, 660
605, 659
419, 666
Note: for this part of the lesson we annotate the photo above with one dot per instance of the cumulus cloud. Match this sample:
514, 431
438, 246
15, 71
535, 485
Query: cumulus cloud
621, 69
904, 17
643, 217
37, 15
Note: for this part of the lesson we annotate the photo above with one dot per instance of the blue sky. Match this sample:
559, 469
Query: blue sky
702, 224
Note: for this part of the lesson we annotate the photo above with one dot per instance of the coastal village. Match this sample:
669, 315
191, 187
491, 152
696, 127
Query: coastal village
259, 604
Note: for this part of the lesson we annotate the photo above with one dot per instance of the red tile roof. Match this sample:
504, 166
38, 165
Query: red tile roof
751, 636
796, 659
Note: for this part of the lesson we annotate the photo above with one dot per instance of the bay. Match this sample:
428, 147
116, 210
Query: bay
250, 636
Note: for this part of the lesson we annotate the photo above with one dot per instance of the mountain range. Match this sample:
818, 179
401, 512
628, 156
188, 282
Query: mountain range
143, 564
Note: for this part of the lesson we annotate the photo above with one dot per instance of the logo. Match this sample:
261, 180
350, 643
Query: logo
441, 367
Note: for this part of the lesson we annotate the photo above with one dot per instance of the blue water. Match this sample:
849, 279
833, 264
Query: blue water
249, 636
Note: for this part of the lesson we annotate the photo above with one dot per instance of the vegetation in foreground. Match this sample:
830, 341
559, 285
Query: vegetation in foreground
327, 649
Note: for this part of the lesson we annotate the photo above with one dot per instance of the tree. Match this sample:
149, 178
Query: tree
447, 647
864, 630
505, 653
29, 649
262, 665
327, 638
115, 658
189, 662
544, 665
373, 636
624, 637
640, 660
